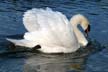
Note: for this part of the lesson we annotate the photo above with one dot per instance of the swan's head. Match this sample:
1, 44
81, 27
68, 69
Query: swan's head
82, 20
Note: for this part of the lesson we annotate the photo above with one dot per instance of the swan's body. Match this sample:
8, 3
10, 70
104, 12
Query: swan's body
52, 31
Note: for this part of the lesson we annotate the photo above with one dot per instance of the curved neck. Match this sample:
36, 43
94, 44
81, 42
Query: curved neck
80, 36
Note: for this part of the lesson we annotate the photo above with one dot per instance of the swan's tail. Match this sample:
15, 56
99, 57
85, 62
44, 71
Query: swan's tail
22, 42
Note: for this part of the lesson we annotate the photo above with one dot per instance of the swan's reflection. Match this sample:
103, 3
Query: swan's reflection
55, 63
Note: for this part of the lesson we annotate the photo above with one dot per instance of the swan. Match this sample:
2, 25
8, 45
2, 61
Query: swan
52, 32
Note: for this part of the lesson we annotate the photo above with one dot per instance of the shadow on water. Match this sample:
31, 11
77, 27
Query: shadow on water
35, 61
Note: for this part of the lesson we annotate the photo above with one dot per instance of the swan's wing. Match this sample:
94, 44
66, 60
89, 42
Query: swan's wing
56, 23
23, 42
35, 19
30, 20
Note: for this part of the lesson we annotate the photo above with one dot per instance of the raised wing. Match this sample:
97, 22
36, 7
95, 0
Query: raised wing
35, 19
55, 23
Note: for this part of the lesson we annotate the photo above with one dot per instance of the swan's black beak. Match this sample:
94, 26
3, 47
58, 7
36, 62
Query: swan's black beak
87, 30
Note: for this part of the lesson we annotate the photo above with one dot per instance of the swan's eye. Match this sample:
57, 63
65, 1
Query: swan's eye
88, 29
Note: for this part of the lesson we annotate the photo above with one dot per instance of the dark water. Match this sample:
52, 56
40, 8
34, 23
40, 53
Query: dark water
94, 58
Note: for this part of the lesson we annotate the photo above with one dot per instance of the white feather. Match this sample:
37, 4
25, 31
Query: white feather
51, 29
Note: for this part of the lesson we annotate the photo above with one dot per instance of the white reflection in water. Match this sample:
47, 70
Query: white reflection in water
54, 63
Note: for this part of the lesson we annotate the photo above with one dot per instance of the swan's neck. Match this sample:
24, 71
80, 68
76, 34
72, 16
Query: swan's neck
75, 21
81, 38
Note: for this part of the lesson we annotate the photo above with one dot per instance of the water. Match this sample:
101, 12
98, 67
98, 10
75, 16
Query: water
90, 59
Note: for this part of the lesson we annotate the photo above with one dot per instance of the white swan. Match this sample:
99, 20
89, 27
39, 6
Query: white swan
52, 31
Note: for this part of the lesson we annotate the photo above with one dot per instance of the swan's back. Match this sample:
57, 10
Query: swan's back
53, 27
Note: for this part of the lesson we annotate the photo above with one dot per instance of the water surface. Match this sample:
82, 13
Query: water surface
93, 58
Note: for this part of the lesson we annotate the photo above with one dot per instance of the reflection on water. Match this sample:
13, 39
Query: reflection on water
54, 63
92, 58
